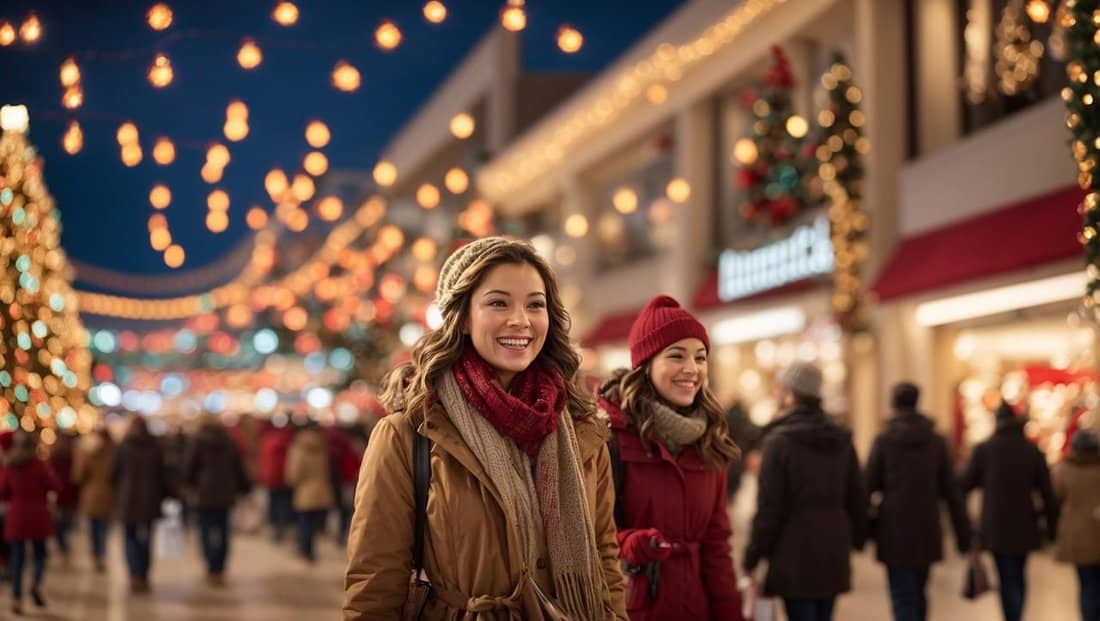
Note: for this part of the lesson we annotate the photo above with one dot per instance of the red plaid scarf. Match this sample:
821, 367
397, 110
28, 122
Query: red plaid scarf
527, 412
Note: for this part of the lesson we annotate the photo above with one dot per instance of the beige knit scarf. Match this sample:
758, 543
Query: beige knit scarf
551, 503
677, 430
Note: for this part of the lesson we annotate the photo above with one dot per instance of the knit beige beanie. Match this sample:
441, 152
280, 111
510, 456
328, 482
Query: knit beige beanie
457, 264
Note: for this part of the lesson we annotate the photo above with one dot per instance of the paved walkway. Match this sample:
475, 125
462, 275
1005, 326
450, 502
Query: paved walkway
267, 582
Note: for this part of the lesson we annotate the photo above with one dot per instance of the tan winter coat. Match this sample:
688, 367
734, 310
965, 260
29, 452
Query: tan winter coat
92, 463
307, 471
1077, 487
469, 557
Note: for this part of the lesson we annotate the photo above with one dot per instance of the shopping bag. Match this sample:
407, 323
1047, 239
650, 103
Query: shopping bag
247, 516
976, 581
169, 538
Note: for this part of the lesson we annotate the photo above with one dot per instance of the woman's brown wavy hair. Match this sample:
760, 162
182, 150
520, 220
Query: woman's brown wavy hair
411, 386
635, 394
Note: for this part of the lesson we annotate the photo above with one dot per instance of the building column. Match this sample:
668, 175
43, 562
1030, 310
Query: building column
695, 133
879, 70
576, 198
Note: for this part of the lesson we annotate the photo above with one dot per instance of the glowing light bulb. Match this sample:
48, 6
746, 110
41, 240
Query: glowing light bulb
73, 97
217, 200
235, 130
345, 77
302, 188
435, 12
7, 34
285, 14
797, 126
131, 155
217, 221
384, 173
164, 151
462, 126
570, 39
456, 180
427, 196
275, 182
160, 196
744, 151
513, 17
1038, 11
678, 190
174, 256
317, 134
160, 239
387, 36
31, 29
256, 218
330, 208
127, 134
70, 73
424, 249
159, 16
656, 94
315, 163
576, 225
160, 73
236, 110
625, 200
73, 140
249, 56
217, 155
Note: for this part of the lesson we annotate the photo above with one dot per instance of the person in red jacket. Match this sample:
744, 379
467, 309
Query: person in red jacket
24, 483
674, 451
273, 451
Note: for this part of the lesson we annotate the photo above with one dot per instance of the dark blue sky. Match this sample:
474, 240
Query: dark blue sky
105, 205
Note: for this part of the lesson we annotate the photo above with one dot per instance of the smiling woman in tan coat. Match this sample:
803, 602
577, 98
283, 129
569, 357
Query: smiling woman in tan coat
519, 520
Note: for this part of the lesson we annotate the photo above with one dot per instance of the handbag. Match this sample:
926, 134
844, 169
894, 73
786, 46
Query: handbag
169, 539
420, 588
976, 581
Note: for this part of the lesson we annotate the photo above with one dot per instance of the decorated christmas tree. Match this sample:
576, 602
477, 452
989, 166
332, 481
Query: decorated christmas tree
773, 162
44, 360
1082, 37
840, 172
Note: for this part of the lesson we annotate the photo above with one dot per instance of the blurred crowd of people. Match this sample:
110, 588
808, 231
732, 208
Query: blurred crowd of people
159, 488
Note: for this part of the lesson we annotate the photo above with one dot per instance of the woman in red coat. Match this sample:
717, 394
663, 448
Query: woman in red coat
24, 483
674, 448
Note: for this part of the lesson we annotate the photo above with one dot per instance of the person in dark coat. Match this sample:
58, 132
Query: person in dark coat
674, 448
1011, 470
811, 505
274, 445
214, 471
746, 435
1077, 486
910, 466
141, 483
61, 461
25, 482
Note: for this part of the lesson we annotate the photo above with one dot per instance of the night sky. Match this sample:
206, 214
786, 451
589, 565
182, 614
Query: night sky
105, 205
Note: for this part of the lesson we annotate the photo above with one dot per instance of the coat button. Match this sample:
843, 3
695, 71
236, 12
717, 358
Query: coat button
541, 563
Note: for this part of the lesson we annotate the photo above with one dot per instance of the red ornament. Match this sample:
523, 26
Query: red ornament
746, 178
781, 209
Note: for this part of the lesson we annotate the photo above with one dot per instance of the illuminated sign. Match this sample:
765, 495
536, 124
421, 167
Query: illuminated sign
807, 252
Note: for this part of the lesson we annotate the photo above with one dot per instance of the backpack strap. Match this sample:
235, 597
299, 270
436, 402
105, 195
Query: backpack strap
422, 474
618, 477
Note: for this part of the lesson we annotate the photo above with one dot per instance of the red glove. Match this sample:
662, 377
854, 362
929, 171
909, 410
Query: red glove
645, 545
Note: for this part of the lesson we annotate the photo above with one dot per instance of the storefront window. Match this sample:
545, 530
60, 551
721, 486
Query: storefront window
1044, 368
1012, 56
632, 216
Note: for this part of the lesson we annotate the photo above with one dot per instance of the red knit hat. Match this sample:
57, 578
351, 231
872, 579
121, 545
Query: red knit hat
661, 323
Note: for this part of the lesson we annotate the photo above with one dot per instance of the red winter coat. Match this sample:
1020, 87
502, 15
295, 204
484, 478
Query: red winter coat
24, 485
684, 499
62, 466
345, 460
273, 450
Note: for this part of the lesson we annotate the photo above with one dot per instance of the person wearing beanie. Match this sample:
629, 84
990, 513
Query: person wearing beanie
1010, 469
674, 450
1077, 488
910, 468
520, 521
810, 502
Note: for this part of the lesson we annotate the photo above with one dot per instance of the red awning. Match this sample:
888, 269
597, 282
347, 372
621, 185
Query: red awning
613, 328
1030, 233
